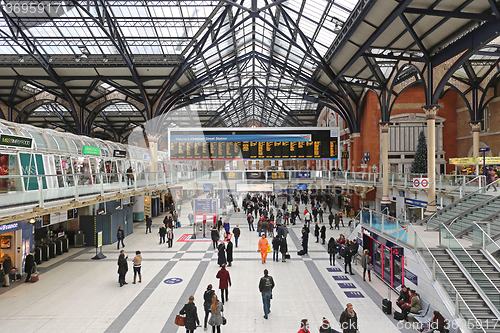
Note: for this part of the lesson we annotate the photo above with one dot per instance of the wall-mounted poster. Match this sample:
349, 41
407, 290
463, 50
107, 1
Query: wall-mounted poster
5, 242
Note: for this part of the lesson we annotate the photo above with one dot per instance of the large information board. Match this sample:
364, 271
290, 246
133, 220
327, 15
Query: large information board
262, 143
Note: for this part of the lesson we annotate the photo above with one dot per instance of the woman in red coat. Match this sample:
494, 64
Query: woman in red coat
224, 282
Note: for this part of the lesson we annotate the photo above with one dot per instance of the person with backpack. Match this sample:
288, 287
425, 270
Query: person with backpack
266, 285
207, 302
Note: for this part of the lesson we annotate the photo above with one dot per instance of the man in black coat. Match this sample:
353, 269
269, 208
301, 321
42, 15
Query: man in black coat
323, 234
215, 236
28, 265
348, 259
229, 252
305, 238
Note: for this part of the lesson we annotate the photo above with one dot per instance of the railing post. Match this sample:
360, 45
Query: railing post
434, 269
392, 180
147, 179
135, 181
457, 307
120, 183
371, 218
75, 177
40, 191
102, 184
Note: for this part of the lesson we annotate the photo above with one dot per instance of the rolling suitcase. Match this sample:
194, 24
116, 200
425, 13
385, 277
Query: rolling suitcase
386, 306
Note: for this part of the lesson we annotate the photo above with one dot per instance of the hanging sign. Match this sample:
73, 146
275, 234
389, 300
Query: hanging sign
15, 141
89, 150
120, 153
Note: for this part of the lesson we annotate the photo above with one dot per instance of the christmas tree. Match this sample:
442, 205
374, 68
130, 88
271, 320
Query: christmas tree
419, 164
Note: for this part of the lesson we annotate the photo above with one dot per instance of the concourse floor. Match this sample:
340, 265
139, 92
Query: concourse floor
77, 294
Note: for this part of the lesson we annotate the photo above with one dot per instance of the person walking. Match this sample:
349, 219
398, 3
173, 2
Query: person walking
348, 259
29, 264
170, 237
229, 252
207, 297
216, 310
266, 285
332, 247
162, 232
221, 253
325, 327
149, 223
331, 217
7, 267
366, 263
191, 320
226, 226
224, 282
305, 238
263, 245
337, 221
304, 326
137, 266
276, 247
490, 178
349, 320
316, 232
323, 234
283, 249
175, 219
250, 220
214, 234
236, 233
120, 235
122, 269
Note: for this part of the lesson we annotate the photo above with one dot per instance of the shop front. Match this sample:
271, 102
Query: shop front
16, 241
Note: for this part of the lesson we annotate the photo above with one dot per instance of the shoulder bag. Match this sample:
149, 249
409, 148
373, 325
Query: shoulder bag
179, 320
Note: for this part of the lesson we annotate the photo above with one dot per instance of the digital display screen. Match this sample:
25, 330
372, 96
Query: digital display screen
246, 144
302, 187
208, 187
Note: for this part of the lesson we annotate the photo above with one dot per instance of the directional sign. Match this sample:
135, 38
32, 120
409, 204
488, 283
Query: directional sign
424, 182
347, 285
341, 278
416, 182
484, 150
173, 281
354, 294
334, 269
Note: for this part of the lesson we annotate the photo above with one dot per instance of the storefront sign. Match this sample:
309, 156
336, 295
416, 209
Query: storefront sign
231, 175
255, 175
416, 203
8, 227
120, 153
303, 174
15, 141
489, 160
463, 160
345, 154
411, 277
89, 150
277, 175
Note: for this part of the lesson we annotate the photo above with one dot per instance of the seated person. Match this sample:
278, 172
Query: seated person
404, 297
437, 323
415, 305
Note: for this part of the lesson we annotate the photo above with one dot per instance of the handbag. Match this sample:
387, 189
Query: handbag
179, 320
224, 320
369, 267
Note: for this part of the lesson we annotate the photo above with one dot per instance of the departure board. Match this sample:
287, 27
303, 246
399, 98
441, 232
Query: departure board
254, 144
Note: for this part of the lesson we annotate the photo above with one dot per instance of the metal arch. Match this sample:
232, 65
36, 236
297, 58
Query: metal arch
468, 44
100, 108
36, 104
33, 49
118, 43
395, 83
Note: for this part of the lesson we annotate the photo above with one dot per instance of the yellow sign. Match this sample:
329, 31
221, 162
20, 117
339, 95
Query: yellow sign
147, 206
463, 160
489, 160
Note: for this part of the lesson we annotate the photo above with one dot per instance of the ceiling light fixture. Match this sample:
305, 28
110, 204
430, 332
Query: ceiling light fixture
105, 59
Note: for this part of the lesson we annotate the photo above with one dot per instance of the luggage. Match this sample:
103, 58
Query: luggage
34, 277
398, 315
287, 256
301, 252
238, 209
387, 306
178, 224
179, 320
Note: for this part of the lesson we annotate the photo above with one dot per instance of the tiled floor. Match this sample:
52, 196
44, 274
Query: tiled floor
77, 294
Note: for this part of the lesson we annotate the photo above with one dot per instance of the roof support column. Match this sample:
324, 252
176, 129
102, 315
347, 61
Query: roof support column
476, 128
384, 141
431, 112
153, 151
356, 152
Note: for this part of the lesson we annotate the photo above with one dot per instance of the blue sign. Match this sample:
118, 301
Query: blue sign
416, 203
9, 227
334, 269
341, 278
303, 174
354, 294
484, 150
347, 285
302, 187
173, 281
242, 138
208, 187
411, 277
205, 206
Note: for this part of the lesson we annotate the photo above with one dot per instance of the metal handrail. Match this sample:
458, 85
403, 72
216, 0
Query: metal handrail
436, 264
486, 235
426, 220
480, 269
473, 208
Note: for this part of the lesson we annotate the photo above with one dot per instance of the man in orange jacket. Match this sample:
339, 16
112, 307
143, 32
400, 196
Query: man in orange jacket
263, 244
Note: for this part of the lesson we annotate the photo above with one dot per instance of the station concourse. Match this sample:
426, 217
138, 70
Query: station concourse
120, 115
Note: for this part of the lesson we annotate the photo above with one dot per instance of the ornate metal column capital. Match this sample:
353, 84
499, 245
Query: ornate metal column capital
476, 126
431, 110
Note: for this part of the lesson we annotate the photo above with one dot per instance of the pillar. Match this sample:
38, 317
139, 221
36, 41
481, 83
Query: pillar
430, 113
240, 165
476, 128
356, 153
267, 165
250, 165
385, 204
153, 152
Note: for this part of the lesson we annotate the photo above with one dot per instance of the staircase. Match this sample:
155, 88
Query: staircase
460, 217
470, 295
450, 212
